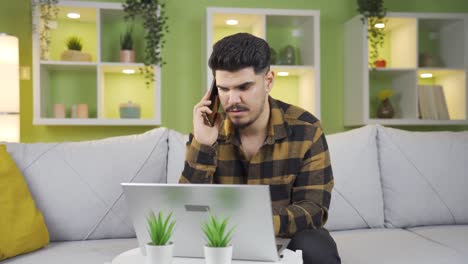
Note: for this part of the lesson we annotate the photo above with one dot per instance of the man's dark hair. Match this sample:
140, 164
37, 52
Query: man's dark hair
239, 51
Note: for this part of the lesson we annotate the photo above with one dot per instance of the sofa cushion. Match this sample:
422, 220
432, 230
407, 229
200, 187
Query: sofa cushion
424, 177
391, 246
77, 252
77, 185
357, 196
22, 227
176, 155
455, 237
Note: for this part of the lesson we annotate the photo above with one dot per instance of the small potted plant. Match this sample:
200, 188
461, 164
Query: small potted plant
127, 54
75, 45
385, 109
160, 249
218, 249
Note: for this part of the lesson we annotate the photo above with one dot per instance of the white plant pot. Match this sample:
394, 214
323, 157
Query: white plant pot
218, 255
159, 254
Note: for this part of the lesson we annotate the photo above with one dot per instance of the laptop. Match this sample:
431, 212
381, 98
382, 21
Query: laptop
247, 206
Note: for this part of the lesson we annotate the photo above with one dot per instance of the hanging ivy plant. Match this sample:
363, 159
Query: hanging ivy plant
154, 17
48, 12
374, 12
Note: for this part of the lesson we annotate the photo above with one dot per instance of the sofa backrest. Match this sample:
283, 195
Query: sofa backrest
176, 155
424, 177
77, 185
357, 196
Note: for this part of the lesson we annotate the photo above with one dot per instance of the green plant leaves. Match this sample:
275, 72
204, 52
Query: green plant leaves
215, 231
74, 43
160, 228
154, 18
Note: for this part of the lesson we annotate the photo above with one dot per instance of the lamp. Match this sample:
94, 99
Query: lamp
9, 88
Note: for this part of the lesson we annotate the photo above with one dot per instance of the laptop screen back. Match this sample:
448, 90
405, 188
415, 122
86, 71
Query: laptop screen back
247, 206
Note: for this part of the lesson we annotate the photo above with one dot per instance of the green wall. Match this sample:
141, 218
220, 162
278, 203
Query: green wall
182, 76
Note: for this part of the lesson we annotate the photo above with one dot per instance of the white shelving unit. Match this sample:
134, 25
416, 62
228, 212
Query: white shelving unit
409, 37
279, 27
99, 83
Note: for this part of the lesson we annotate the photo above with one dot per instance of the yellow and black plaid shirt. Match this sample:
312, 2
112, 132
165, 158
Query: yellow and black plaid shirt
294, 160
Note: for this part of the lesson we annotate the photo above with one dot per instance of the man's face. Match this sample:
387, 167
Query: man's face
243, 94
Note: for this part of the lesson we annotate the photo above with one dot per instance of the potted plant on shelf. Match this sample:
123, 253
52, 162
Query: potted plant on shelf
153, 14
160, 249
218, 249
374, 12
74, 53
127, 54
385, 109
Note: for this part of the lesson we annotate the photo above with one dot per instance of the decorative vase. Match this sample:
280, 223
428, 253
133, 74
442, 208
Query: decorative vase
385, 109
130, 110
159, 254
218, 255
288, 56
127, 56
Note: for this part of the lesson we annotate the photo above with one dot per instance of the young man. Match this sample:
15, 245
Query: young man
261, 140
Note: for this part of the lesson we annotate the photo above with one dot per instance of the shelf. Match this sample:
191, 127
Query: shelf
84, 27
249, 23
76, 66
454, 86
399, 49
120, 88
402, 82
100, 83
69, 85
441, 38
296, 32
113, 26
94, 122
416, 122
441, 42
299, 29
297, 88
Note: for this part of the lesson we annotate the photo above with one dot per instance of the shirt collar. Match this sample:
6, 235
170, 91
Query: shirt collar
277, 127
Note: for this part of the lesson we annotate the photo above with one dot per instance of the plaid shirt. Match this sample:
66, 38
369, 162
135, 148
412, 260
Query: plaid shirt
294, 160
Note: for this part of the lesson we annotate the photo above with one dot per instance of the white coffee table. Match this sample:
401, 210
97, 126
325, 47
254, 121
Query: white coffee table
134, 256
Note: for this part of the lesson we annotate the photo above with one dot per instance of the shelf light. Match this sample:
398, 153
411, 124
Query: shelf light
232, 22
128, 71
73, 15
426, 75
283, 73
379, 25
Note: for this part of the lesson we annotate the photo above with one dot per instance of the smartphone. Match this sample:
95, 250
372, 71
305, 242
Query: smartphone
214, 106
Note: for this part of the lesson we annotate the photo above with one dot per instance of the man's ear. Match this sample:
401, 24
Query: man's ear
269, 80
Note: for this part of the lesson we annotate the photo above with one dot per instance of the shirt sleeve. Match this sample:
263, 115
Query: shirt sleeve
311, 192
200, 162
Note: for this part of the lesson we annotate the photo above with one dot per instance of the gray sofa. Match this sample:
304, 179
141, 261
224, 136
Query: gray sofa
399, 197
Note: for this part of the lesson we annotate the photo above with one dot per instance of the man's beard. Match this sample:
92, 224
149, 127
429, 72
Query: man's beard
241, 126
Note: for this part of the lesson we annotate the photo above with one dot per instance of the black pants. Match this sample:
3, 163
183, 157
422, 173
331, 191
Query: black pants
317, 246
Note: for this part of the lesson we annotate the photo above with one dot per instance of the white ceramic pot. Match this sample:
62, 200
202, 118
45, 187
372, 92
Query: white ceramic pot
218, 255
159, 254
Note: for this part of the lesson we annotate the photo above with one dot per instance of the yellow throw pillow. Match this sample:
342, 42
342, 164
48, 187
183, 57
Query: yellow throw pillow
22, 227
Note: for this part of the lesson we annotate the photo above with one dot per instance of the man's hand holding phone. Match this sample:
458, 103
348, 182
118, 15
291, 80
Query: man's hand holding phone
206, 119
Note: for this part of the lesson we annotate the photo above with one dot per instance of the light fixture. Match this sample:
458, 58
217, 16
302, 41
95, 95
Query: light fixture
283, 73
128, 71
379, 25
426, 75
73, 15
232, 22
9, 89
